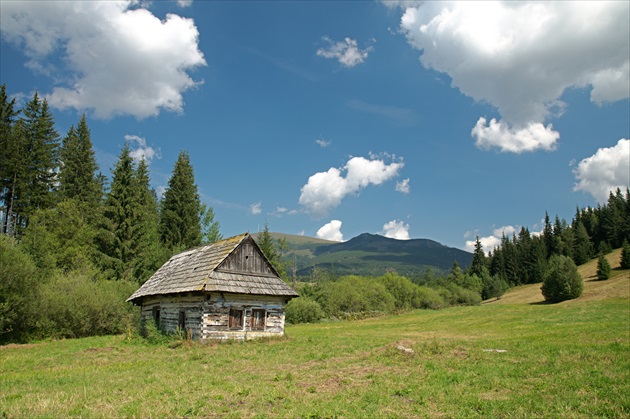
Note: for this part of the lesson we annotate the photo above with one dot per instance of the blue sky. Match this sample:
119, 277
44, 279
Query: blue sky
439, 120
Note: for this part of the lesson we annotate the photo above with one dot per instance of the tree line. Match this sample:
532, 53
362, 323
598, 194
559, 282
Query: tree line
68, 233
525, 258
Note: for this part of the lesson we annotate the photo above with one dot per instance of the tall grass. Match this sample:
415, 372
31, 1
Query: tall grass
518, 360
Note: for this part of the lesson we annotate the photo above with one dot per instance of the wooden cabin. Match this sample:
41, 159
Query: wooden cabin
225, 290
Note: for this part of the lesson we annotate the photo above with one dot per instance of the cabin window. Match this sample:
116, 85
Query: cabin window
181, 324
236, 319
258, 319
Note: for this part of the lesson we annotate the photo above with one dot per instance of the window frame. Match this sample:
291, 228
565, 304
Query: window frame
253, 324
232, 324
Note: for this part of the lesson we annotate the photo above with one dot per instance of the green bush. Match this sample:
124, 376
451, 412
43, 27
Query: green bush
303, 310
562, 280
430, 298
352, 294
18, 292
75, 305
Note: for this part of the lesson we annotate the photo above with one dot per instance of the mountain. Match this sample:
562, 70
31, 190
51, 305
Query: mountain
371, 254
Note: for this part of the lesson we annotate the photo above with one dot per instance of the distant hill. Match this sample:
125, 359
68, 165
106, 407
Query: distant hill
371, 254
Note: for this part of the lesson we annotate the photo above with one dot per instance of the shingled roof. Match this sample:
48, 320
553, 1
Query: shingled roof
197, 270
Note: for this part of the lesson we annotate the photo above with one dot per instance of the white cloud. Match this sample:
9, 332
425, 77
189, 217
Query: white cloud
604, 171
325, 190
396, 229
498, 134
331, 231
184, 3
521, 57
322, 143
110, 57
403, 186
142, 151
255, 208
346, 52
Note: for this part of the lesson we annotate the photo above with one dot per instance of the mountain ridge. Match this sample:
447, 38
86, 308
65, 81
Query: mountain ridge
371, 255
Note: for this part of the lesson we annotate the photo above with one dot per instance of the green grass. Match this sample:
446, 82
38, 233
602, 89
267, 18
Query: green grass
565, 360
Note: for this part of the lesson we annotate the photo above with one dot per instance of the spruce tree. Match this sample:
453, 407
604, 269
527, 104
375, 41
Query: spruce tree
119, 213
41, 142
77, 174
180, 225
13, 158
273, 250
479, 259
582, 246
148, 251
625, 255
210, 228
603, 268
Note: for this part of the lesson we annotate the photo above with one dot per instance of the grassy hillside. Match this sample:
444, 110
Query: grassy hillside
496, 360
617, 286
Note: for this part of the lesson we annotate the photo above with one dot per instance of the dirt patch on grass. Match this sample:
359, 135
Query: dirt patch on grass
20, 345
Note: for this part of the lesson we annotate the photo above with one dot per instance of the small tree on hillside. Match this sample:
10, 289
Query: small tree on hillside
603, 268
562, 280
625, 255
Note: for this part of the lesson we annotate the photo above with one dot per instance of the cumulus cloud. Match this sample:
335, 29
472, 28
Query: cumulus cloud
396, 229
604, 171
521, 56
347, 52
489, 243
403, 186
255, 208
184, 3
140, 150
325, 190
498, 134
331, 231
110, 57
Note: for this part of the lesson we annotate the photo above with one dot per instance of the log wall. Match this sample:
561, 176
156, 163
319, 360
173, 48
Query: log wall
207, 316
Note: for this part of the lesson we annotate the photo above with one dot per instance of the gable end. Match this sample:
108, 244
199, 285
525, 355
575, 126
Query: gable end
247, 258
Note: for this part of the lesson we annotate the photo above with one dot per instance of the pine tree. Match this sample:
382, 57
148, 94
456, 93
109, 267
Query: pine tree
13, 158
210, 228
148, 251
77, 174
548, 237
180, 226
625, 255
582, 246
479, 259
603, 268
272, 250
119, 214
41, 142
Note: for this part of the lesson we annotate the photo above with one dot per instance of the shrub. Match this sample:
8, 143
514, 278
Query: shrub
303, 310
426, 297
353, 294
603, 268
562, 280
18, 291
75, 305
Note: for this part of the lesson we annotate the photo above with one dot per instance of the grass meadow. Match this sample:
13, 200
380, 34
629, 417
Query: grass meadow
515, 357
